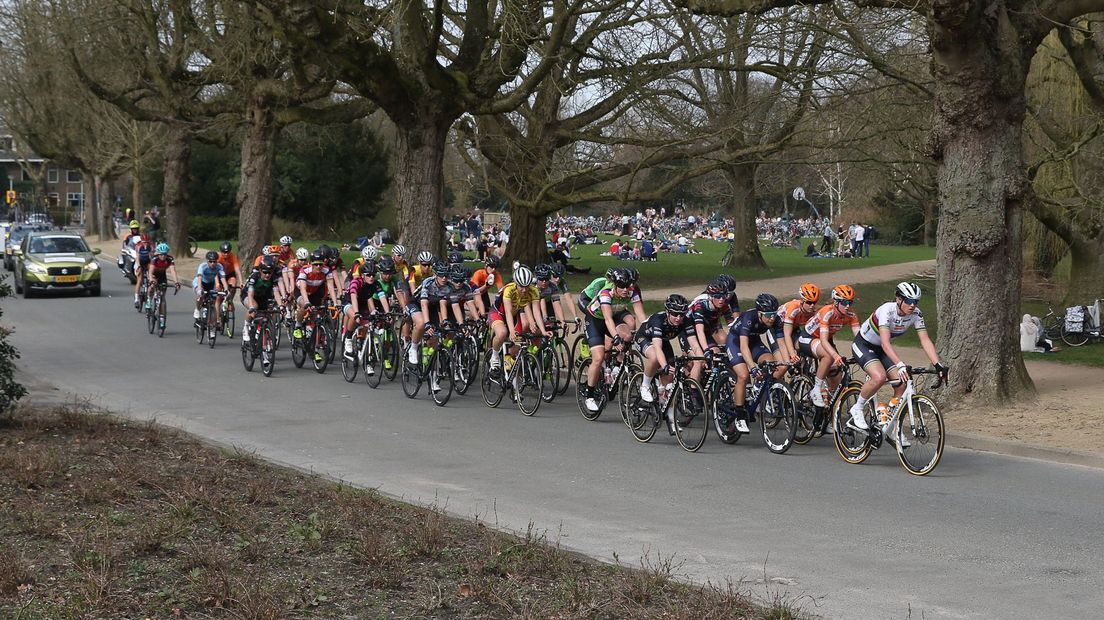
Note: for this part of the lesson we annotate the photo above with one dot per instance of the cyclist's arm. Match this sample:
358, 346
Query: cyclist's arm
172, 269
331, 288
457, 312
827, 345
303, 291
657, 346
557, 310
928, 346
508, 312
787, 341
887, 346
570, 305
536, 313
705, 342
383, 301
638, 310
745, 350
607, 316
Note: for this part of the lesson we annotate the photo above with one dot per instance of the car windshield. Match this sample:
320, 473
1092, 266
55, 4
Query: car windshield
57, 245
16, 237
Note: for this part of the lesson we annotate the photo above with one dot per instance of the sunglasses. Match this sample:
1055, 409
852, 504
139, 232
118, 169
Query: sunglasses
844, 302
910, 302
768, 315
426, 264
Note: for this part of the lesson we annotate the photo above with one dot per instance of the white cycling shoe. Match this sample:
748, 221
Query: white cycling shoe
742, 427
817, 396
591, 404
646, 391
858, 419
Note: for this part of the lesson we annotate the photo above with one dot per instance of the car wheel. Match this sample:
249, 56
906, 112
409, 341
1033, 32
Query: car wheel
94, 291
18, 288
28, 292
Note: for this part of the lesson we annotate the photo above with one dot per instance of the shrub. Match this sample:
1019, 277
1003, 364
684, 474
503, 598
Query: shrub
10, 389
204, 227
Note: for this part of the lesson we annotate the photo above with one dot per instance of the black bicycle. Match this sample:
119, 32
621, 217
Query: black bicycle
767, 399
680, 402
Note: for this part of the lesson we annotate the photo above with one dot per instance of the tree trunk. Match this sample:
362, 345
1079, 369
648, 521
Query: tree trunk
745, 243
527, 243
982, 190
106, 213
420, 173
1086, 281
92, 213
177, 162
929, 223
255, 192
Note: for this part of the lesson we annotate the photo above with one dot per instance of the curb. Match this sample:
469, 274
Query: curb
1007, 447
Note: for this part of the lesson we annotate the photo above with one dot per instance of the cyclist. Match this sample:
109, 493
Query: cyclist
364, 291
460, 296
816, 339
367, 253
210, 278
875, 351
260, 291
705, 330
604, 322
286, 253
794, 314
432, 296
161, 264
558, 291
231, 267
653, 339
336, 265
513, 311
422, 270
728, 283
398, 254
315, 282
592, 289
143, 251
746, 350
483, 282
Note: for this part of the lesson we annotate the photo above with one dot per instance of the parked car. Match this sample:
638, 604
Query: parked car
56, 261
11, 243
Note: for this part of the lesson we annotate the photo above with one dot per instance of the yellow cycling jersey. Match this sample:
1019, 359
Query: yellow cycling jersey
519, 297
417, 274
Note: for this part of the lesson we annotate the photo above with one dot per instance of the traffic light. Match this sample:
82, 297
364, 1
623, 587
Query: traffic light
9, 196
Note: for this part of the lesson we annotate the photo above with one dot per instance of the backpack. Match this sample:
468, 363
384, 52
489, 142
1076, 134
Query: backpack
1075, 319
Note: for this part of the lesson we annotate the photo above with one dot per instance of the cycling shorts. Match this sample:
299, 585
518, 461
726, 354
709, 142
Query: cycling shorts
317, 297
596, 331
494, 316
668, 350
736, 357
201, 286
805, 344
869, 353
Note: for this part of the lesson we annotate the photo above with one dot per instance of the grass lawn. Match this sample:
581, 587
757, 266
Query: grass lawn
109, 518
679, 269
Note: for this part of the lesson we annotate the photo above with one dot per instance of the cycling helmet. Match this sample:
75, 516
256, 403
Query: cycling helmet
440, 268
457, 273
212, 255
325, 250
225, 247
134, 224
387, 265
809, 292
455, 258
634, 274
542, 271
368, 268
369, 252
271, 249
676, 304
285, 240
557, 270
302, 254
715, 290
425, 257
843, 293
727, 282
318, 257
398, 250
766, 302
162, 248
493, 261
523, 276
622, 278
268, 263
908, 290
609, 273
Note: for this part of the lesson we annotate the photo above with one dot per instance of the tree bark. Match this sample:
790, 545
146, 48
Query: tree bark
255, 191
745, 243
107, 225
420, 172
527, 243
929, 223
980, 109
92, 213
177, 162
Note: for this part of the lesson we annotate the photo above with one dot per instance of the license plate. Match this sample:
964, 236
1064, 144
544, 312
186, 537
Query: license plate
65, 279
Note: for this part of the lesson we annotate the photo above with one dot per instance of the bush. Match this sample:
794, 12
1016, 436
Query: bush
10, 389
217, 227
297, 230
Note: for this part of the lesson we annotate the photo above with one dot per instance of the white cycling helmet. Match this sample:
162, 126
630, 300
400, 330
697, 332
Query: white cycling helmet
285, 240
523, 276
398, 250
369, 252
302, 254
908, 290
425, 257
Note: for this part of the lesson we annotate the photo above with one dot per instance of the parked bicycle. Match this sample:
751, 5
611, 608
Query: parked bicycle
1083, 325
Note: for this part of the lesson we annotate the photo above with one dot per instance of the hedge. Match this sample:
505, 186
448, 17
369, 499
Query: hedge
217, 227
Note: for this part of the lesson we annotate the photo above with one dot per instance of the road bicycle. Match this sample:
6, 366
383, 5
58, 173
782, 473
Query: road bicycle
314, 343
520, 377
207, 325
620, 363
813, 421
263, 328
143, 295
766, 398
1089, 328
155, 309
430, 366
918, 432
682, 394
364, 351
465, 360
553, 354
227, 315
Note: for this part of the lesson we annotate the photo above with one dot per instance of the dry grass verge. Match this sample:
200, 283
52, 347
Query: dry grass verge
102, 517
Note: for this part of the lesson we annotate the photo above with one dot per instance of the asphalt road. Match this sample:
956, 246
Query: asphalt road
984, 536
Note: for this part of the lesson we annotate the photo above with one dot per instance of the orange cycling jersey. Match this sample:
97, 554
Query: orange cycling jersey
828, 316
230, 264
482, 277
285, 255
792, 313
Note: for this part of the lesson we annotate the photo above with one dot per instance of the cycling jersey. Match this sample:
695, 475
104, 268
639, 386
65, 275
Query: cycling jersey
285, 256
657, 326
432, 292
831, 318
519, 297
261, 287
229, 262
482, 277
364, 290
355, 270
703, 313
394, 285
161, 262
314, 277
887, 317
594, 287
207, 274
459, 294
608, 297
793, 313
748, 324
144, 251
418, 275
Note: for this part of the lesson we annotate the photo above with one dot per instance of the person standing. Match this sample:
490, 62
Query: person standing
828, 236
857, 240
868, 234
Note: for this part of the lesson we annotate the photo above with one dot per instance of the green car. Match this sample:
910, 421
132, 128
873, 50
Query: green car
56, 261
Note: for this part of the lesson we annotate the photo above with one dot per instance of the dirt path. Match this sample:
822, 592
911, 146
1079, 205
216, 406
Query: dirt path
787, 287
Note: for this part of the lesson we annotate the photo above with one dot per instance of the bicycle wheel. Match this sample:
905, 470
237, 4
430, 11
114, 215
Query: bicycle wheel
806, 412
298, 352
527, 383
922, 431
777, 418
212, 328
1052, 327
200, 326
600, 393
228, 318
491, 382
691, 417
465, 365
440, 372
640, 416
248, 359
853, 446
1075, 339
409, 375
563, 370
371, 356
350, 364
549, 369
721, 392
161, 317
389, 347
331, 332
322, 346
151, 317
267, 334
577, 355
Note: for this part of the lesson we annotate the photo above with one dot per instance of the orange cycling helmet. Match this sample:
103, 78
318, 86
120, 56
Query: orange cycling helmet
271, 249
843, 293
810, 292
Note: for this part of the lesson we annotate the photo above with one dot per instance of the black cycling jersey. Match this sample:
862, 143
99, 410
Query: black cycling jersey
750, 325
657, 326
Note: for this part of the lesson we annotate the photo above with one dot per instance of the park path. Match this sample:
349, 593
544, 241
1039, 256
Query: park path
786, 287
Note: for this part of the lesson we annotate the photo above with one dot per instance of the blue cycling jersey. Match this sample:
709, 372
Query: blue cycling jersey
207, 273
